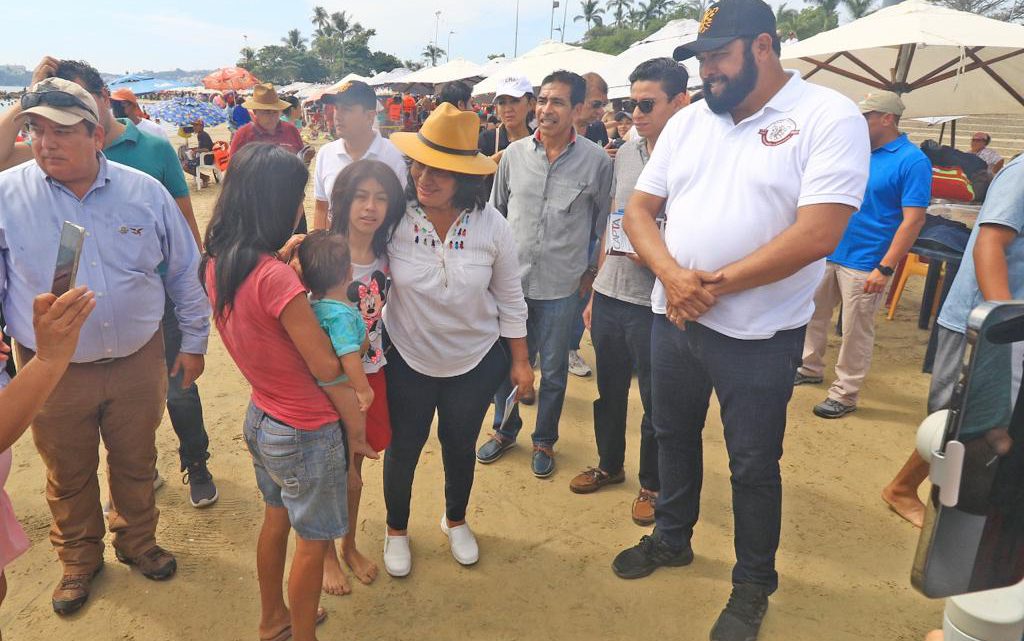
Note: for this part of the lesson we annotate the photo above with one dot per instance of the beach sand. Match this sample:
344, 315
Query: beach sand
544, 572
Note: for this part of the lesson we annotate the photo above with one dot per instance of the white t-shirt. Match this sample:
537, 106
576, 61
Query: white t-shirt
368, 292
451, 298
151, 128
732, 188
332, 158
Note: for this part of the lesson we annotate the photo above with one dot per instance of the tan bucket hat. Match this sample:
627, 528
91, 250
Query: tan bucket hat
264, 96
447, 141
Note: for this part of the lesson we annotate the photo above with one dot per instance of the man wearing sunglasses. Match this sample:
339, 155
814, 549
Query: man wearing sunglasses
137, 252
619, 315
757, 182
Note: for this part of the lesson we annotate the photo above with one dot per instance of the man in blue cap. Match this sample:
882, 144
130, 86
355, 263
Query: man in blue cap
757, 182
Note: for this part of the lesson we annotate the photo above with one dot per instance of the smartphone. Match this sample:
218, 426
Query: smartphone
68, 254
973, 534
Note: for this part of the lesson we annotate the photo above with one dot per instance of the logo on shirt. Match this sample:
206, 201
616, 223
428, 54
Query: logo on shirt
709, 17
778, 132
125, 229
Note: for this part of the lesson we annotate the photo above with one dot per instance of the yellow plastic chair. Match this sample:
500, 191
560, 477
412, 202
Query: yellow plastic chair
914, 266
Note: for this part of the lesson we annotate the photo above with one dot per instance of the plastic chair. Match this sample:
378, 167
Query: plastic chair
913, 266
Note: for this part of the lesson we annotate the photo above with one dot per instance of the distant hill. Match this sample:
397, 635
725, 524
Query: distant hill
14, 75
19, 76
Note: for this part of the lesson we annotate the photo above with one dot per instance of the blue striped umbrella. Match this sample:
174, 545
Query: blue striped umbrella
185, 111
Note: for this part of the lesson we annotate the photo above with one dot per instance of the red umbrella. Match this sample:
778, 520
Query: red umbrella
230, 78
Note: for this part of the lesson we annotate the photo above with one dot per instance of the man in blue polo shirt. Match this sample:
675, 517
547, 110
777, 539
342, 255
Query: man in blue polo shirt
876, 240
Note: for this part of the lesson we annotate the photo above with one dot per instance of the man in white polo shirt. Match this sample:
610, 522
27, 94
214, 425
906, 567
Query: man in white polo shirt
758, 181
355, 112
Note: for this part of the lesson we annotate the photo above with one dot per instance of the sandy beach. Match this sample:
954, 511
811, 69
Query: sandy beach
545, 561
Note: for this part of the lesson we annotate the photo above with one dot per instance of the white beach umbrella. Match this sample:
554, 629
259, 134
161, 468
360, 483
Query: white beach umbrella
942, 61
430, 77
545, 58
659, 44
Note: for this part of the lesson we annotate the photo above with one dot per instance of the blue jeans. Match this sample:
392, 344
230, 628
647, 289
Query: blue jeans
753, 380
547, 333
303, 471
621, 333
577, 327
184, 406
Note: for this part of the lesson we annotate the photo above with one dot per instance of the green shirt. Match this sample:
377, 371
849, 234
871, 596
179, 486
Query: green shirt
150, 155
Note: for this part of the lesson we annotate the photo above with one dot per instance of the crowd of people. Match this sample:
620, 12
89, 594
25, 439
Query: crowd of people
441, 267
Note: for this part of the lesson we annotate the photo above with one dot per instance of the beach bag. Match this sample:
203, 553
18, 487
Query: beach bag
951, 183
220, 155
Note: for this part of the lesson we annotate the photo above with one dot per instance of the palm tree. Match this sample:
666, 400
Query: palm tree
342, 27
858, 8
294, 40
591, 13
785, 14
828, 9
651, 11
620, 9
321, 18
432, 53
248, 58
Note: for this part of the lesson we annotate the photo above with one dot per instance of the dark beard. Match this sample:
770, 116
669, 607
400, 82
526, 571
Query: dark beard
736, 89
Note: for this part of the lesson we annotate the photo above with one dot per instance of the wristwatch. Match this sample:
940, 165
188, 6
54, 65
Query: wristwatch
885, 271
592, 270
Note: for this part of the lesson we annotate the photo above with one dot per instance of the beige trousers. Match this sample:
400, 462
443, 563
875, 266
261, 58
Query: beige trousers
846, 286
121, 402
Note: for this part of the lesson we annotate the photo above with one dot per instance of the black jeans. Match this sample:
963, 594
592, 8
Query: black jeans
461, 403
184, 406
753, 380
621, 333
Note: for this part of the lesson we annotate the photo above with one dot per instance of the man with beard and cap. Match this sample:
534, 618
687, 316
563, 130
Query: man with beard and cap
757, 182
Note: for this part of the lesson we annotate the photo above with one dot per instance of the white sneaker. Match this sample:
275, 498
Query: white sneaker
397, 555
462, 542
578, 366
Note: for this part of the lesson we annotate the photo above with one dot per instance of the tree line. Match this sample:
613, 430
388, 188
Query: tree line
341, 45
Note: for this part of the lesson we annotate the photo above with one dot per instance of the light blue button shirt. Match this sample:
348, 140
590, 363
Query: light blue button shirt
132, 227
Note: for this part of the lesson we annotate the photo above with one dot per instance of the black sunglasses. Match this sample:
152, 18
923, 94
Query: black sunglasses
597, 104
52, 98
646, 105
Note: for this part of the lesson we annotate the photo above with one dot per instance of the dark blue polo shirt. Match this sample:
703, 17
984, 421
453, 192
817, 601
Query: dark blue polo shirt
900, 176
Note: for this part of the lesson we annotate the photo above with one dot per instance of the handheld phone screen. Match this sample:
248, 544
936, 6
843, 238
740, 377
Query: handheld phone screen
64, 274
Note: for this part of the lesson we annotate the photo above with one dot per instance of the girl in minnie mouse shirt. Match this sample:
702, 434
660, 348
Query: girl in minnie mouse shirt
367, 202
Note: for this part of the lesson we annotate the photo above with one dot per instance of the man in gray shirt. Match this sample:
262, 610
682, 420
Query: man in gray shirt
555, 189
619, 316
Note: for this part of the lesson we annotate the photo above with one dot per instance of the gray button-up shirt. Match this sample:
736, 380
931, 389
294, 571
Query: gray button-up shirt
556, 210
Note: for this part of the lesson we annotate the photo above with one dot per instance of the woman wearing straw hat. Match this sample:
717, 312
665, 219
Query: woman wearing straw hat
455, 320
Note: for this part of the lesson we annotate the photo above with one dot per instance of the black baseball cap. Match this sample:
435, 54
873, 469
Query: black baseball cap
725, 21
354, 92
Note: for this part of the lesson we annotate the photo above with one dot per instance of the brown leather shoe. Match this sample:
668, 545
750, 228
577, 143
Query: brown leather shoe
73, 591
155, 563
594, 479
643, 507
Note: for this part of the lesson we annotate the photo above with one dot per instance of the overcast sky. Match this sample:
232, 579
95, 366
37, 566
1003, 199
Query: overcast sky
119, 36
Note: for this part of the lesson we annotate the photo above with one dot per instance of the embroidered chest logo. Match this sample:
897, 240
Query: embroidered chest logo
778, 132
125, 229
709, 17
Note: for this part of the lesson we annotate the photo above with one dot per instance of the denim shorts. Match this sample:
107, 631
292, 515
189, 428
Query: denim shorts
303, 471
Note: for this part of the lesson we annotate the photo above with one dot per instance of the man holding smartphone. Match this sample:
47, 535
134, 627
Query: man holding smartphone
138, 250
125, 144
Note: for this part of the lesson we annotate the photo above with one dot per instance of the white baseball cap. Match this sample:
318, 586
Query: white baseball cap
515, 86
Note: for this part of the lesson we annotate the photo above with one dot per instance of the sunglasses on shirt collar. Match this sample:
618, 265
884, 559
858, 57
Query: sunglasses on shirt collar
52, 98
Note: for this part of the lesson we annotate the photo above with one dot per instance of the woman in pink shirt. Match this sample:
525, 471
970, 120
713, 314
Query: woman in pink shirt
57, 322
292, 425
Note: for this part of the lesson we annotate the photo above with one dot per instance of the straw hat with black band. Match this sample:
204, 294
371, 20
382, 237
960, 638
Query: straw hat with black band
447, 141
264, 96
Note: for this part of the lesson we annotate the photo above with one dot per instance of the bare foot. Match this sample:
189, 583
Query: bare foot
909, 507
335, 581
364, 569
